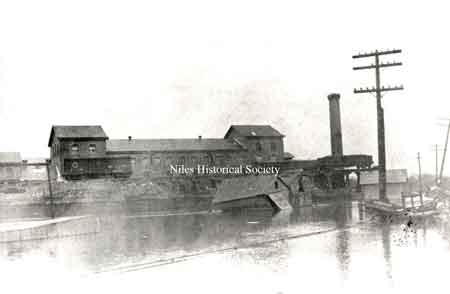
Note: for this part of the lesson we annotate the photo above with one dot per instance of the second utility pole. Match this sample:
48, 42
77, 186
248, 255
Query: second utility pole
378, 89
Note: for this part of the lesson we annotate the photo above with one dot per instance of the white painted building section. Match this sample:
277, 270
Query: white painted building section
396, 183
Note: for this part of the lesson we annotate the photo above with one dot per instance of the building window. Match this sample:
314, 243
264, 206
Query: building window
194, 160
156, 160
207, 159
92, 147
220, 160
98, 163
258, 147
10, 172
273, 146
182, 188
181, 160
169, 161
276, 185
75, 148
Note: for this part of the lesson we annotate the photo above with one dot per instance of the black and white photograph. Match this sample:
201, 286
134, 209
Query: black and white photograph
224, 146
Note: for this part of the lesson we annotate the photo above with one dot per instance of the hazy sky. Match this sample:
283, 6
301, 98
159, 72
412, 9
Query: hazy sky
186, 68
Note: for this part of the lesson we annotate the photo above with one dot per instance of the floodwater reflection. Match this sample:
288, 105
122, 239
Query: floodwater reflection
340, 243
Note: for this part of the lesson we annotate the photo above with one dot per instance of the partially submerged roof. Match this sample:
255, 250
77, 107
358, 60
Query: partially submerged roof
145, 145
254, 131
393, 176
287, 155
246, 187
10, 157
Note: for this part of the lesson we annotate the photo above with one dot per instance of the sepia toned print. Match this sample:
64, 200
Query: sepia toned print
224, 147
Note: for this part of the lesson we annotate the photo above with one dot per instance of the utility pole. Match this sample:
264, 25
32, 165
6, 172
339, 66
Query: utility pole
420, 180
50, 192
436, 149
444, 154
378, 90
437, 159
420, 173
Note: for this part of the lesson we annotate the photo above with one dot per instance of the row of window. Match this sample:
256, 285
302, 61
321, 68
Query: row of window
76, 148
273, 147
10, 172
182, 160
206, 159
156, 160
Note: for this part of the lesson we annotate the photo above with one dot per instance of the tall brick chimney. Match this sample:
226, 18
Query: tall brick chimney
335, 125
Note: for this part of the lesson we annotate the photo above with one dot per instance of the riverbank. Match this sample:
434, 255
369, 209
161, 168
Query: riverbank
98, 197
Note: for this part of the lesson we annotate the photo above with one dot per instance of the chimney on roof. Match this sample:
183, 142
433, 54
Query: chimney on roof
129, 138
199, 137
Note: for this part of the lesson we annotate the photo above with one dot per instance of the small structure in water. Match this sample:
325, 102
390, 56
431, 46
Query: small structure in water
401, 201
253, 193
396, 180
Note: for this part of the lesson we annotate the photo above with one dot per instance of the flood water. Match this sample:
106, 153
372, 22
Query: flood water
334, 248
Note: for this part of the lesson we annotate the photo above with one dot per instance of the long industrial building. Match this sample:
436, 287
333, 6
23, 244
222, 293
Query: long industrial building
87, 152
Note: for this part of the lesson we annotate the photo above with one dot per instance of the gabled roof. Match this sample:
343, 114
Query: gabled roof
254, 131
145, 145
393, 176
79, 132
10, 157
246, 186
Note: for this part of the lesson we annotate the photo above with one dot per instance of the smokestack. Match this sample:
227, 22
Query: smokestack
129, 138
335, 125
199, 137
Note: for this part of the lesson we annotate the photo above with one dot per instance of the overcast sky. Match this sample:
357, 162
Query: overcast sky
186, 68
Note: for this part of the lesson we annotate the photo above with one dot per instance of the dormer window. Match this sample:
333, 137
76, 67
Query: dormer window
75, 148
92, 148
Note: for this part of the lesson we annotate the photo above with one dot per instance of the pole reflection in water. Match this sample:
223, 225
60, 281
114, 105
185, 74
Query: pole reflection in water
361, 210
343, 215
387, 253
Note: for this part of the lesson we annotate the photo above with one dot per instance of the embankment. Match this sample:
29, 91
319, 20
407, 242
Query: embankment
98, 197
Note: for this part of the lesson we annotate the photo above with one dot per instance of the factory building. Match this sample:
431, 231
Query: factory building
155, 157
87, 152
